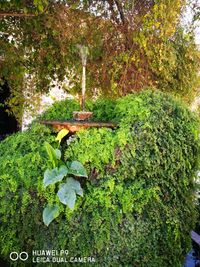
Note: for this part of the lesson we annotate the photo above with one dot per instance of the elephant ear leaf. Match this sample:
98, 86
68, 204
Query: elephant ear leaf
75, 185
55, 175
67, 192
77, 169
50, 213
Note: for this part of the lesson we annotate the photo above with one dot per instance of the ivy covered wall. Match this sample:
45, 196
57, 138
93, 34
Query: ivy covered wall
138, 203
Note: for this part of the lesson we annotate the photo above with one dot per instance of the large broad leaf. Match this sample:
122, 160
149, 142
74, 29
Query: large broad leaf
54, 154
61, 134
67, 192
67, 197
50, 213
77, 169
75, 185
58, 153
55, 175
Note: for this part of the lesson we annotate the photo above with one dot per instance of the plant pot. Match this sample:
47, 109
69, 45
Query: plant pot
82, 115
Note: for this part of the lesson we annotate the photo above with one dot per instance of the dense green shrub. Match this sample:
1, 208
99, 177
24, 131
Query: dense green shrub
63, 110
138, 203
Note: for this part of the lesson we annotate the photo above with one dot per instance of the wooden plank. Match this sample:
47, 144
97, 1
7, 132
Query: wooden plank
74, 126
195, 237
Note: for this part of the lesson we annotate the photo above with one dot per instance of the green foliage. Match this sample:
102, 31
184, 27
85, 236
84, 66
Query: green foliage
67, 192
166, 48
138, 206
100, 145
22, 166
131, 45
61, 110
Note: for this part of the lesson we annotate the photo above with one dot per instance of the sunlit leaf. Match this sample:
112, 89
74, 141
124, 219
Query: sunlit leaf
61, 135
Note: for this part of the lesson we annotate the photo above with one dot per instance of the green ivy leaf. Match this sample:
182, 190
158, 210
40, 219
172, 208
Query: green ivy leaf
61, 135
67, 192
77, 169
54, 175
50, 213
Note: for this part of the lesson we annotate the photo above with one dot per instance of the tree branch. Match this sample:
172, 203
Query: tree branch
4, 33
10, 14
112, 10
120, 10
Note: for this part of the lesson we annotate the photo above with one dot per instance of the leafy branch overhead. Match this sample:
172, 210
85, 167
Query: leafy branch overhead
61, 171
132, 44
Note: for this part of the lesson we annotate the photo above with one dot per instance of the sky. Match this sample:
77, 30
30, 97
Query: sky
187, 18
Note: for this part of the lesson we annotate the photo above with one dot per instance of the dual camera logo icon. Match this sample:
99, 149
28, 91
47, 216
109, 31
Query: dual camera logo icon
23, 256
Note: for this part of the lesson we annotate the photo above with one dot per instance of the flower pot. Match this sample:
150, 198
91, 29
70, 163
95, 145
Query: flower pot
82, 115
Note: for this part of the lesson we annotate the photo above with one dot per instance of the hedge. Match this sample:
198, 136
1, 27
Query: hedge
138, 206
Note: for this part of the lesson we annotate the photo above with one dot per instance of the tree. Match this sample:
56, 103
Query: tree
132, 44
